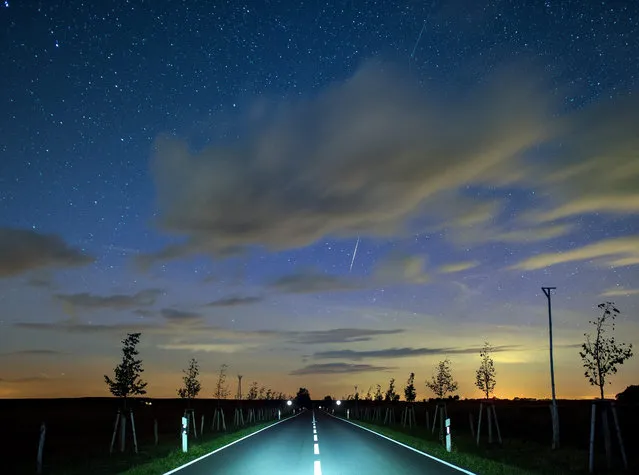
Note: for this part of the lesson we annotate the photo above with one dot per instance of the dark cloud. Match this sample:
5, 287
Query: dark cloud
234, 301
338, 368
33, 353
22, 250
310, 281
362, 157
74, 326
404, 352
43, 281
180, 316
337, 335
117, 301
28, 379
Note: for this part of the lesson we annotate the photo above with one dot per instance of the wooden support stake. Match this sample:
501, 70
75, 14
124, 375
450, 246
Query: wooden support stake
115, 431
135, 437
155, 431
43, 431
619, 438
497, 425
591, 455
472, 424
606, 434
481, 408
122, 432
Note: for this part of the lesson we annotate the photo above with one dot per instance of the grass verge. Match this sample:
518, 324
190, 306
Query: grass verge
512, 458
176, 457
150, 459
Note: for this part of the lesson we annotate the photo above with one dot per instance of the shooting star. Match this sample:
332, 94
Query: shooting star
412, 55
354, 254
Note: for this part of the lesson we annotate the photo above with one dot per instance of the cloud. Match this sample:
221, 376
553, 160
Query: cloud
180, 316
398, 268
362, 157
28, 379
596, 168
33, 353
619, 292
405, 352
210, 347
234, 301
338, 368
312, 281
116, 302
457, 267
618, 252
338, 335
22, 250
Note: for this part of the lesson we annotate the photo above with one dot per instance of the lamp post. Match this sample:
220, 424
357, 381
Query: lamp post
555, 416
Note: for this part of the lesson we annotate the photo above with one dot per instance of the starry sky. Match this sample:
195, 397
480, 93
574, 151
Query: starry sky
319, 194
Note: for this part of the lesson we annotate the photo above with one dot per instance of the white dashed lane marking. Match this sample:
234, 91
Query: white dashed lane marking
317, 465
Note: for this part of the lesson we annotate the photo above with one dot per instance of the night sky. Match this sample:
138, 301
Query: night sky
204, 171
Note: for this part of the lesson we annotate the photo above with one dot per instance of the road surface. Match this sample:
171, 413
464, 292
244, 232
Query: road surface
314, 443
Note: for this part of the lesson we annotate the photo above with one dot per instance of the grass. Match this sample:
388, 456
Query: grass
512, 458
176, 457
151, 459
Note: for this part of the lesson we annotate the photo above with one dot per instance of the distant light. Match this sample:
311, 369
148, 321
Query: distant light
289, 403
339, 402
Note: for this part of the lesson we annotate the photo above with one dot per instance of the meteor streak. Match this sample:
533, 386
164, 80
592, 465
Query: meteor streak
354, 254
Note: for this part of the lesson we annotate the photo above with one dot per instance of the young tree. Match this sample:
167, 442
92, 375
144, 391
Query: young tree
192, 384
442, 381
409, 390
485, 375
602, 355
252, 394
369, 396
127, 375
221, 389
378, 394
261, 392
391, 395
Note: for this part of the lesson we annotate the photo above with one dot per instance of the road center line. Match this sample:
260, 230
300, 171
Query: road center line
314, 437
316, 449
317, 468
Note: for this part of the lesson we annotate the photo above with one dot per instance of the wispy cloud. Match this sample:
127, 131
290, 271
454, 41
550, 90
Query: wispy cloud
234, 301
457, 267
116, 301
622, 251
22, 250
309, 281
376, 152
404, 352
399, 268
35, 352
338, 368
619, 292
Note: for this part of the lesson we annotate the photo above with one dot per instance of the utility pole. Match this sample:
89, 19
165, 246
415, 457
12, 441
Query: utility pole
555, 414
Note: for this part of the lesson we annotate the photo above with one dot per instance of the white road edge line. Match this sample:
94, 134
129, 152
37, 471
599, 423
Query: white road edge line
228, 445
407, 446
317, 468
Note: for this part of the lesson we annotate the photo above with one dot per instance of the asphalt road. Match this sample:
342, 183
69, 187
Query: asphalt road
315, 443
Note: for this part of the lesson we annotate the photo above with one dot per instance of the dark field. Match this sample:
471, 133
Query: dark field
79, 432
526, 431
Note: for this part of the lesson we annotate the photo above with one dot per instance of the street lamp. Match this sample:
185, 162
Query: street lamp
289, 403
